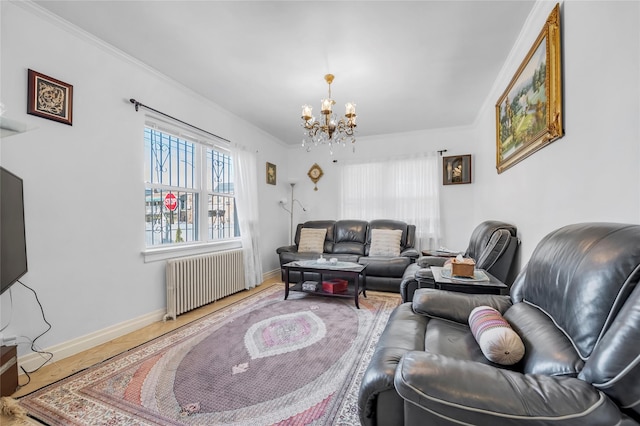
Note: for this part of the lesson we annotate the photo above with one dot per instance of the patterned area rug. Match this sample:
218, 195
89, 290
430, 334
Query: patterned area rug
260, 361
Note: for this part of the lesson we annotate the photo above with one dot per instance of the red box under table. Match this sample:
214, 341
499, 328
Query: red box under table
335, 286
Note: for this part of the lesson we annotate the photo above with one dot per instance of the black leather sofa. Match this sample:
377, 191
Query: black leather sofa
493, 245
576, 307
350, 241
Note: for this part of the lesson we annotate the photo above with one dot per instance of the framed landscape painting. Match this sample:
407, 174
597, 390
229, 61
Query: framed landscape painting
529, 112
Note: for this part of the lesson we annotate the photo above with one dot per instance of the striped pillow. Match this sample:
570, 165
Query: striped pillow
312, 240
385, 242
497, 340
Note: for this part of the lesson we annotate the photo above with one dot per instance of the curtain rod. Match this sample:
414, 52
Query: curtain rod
137, 104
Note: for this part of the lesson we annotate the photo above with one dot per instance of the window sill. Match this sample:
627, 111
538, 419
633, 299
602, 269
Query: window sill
157, 254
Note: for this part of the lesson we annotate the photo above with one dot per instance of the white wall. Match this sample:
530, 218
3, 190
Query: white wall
456, 200
591, 174
84, 186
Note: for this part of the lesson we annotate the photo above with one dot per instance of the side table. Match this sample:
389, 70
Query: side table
493, 286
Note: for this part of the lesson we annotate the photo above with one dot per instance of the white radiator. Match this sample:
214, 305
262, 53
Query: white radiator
198, 280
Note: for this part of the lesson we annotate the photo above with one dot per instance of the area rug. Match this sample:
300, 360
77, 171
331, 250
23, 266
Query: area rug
261, 361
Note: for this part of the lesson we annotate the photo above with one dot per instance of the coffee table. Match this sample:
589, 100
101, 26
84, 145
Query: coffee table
491, 286
346, 270
438, 253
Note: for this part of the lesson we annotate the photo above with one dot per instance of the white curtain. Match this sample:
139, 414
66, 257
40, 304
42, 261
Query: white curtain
403, 188
246, 183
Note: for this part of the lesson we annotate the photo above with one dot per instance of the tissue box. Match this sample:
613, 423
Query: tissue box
463, 268
335, 286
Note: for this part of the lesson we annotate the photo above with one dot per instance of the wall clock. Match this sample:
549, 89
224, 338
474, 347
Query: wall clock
315, 173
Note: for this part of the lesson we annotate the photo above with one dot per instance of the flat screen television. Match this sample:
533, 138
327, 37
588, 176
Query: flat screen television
13, 247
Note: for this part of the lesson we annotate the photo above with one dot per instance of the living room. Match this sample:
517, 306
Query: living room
83, 182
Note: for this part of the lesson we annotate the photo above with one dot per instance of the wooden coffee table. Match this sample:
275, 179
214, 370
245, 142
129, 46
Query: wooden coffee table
348, 270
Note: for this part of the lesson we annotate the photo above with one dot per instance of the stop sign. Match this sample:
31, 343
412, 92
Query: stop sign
170, 201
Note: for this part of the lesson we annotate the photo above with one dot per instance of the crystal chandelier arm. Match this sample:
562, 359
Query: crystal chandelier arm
312, 127
345, 127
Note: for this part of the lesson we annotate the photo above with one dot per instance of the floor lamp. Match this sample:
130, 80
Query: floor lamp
283, 204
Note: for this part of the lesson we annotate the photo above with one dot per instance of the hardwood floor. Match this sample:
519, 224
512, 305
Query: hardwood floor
68, 366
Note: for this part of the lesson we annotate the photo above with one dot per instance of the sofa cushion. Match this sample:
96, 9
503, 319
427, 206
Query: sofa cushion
391, 224
497, 340
311, 240
613, 366
350, 237
318, 224
482, 234
385, 266
548, 350
453, 340
566, 289
385, 242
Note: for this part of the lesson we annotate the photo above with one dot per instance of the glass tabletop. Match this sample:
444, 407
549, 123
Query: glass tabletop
338, 266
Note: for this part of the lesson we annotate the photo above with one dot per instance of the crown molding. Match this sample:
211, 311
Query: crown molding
39, 11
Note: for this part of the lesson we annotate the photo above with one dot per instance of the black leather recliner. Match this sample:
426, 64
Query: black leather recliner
493, 245
576, 307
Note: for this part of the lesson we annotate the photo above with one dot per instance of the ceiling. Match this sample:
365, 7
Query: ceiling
408, 65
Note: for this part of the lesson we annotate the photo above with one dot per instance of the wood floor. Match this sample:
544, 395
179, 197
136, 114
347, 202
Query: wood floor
68, 366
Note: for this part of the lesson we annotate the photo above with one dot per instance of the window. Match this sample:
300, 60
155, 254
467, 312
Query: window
189, 193
403, 188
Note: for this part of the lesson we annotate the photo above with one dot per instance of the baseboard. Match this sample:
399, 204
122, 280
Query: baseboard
66, 349
63, 350
275, 273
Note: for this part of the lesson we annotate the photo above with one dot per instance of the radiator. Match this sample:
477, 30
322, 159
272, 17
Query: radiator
198, 280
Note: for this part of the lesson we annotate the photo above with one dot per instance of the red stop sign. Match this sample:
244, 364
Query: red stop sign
170, 201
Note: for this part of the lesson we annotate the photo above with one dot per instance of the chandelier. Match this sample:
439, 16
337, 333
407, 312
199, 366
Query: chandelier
328, 130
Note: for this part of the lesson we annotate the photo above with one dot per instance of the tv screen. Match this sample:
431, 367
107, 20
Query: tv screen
13, 247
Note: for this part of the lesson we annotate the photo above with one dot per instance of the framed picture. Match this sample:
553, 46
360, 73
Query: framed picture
529, 112
271, 174
49, 98
456, 169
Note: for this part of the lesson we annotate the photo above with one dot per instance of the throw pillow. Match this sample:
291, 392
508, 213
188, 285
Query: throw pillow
497, 340
311, 240
385, 242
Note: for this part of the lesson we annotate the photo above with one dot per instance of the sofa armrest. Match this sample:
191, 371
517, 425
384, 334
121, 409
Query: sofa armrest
287, 249
455, 306
428, 261
410, 252
438, 387
403, 333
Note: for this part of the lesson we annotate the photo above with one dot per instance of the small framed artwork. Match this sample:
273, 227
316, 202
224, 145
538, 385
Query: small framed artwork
49, 98
456, 169
529, 112
271, 174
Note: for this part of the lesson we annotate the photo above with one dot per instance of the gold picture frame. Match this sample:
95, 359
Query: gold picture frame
456, 169
271, 174
49, 98
315, 173
529, 112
